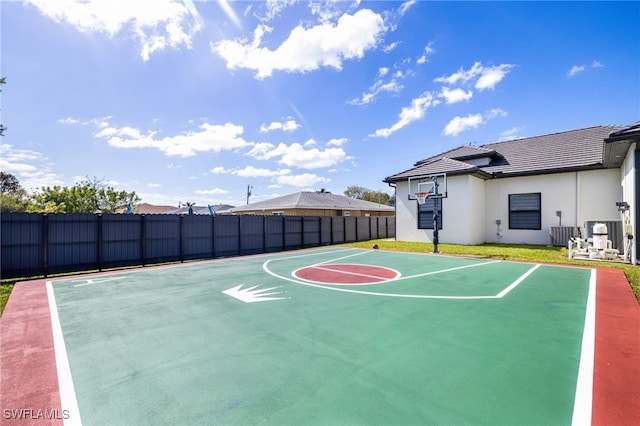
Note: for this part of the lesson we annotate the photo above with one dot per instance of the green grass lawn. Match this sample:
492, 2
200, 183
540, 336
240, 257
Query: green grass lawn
516, 252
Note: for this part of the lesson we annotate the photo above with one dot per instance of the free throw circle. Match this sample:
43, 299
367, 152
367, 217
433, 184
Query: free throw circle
346, 274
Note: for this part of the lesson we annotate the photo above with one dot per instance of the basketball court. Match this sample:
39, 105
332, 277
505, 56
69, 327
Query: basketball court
324, 336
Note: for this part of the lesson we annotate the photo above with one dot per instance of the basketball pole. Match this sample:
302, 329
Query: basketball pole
435, 218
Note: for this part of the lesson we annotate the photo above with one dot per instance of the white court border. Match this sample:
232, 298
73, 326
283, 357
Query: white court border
583, 401
68, 399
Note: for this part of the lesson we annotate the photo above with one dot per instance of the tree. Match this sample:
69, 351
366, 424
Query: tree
13, 198
323, 191
362, 193
190, 205
355, 191
9, 183
89, 196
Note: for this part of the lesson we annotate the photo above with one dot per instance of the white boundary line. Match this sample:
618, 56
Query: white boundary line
583, 403
65, 381
518, 281
316, 251
265, 267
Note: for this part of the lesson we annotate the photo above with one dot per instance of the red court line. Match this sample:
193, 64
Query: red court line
616, 376
28, 377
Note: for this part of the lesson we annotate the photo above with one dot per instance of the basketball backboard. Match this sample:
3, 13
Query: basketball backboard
435, 185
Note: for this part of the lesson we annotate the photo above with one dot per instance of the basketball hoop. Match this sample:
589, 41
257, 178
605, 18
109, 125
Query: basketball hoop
421, 197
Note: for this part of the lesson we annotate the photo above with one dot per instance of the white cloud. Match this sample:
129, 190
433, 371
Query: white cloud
297, 155
491, 76
390, 47
251, 171
510, 134
337, 142
302, 180
219, 170
286, 126
377, 88
453, 96
404, 7
578, 69
306, 49
155, 24
262, 151
214, 191
154, 185
209, 137
485, 77
326, 11
494, 113
31, 168
460, 124
98, 122
461, 76
408, 115
428, 51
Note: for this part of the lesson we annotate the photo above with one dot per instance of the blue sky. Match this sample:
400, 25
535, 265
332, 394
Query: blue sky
187, 100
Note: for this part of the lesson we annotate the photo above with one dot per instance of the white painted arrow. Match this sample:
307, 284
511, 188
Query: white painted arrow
252, 294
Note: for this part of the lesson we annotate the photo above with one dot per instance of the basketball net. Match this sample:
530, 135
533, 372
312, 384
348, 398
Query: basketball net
422, 197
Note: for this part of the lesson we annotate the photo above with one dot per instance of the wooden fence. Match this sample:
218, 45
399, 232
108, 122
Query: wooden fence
44, 244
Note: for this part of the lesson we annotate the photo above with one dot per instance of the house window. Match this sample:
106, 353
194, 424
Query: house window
525, 211
280, 213
346, 213
425, 214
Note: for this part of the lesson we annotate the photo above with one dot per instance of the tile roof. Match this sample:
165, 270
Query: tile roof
629, 132
146, 208
204, 210
580, 149
313, 200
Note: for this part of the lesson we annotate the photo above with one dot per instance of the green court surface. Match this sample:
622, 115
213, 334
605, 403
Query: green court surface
327, 336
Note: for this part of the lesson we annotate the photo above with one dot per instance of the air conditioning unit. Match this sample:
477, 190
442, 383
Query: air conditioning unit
559, 236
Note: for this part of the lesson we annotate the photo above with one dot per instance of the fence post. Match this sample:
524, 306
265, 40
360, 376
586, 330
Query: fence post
357, 237
264, 234
180, 247
99, 241
213, 237
45, 244
331, 229
240, 234
143, 240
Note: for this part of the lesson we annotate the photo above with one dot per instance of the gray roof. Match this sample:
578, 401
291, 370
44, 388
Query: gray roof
313, 200
581, 149
200, 209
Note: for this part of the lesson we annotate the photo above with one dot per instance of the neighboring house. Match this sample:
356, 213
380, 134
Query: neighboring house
314, 204
514, 191
146, 208
218, 208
